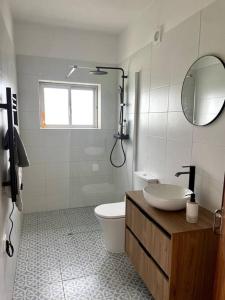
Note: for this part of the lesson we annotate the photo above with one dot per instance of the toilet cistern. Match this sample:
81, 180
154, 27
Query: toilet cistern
191, 173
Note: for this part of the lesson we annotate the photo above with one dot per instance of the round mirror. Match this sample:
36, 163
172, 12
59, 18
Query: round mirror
203, 91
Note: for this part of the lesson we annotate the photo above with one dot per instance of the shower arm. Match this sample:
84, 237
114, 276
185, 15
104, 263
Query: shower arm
74, 67
123, 77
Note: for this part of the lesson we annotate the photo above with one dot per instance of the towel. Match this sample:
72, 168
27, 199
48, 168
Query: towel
21, 160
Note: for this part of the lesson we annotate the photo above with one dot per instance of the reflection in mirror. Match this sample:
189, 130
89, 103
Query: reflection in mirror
203, 91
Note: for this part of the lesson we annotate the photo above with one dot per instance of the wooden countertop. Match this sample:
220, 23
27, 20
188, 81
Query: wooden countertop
175, 221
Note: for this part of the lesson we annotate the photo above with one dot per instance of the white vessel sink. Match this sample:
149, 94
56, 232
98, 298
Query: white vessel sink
166, 196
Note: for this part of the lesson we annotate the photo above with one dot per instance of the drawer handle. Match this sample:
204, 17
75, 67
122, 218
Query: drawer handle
217, 221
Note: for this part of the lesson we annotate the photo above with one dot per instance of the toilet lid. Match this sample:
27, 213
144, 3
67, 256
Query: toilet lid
111, 210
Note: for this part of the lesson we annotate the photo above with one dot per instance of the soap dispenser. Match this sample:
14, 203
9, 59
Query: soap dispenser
192, 210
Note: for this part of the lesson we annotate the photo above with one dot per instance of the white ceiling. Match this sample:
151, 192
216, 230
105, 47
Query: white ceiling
102, 15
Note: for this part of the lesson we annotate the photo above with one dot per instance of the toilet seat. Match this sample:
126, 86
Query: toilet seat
111, 210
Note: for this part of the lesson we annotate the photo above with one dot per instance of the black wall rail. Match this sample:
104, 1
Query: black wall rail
12, 114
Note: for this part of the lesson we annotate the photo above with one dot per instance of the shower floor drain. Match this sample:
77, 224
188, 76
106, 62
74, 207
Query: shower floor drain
70, 233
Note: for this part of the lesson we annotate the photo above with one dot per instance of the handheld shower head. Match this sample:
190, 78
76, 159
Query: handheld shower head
73, 68
98, 71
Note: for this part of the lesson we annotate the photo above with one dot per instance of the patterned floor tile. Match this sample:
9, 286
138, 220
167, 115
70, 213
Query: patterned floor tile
99, 287
72, 270
26, 280
25, 293
52, 291
62, 256
84, 228
89, 210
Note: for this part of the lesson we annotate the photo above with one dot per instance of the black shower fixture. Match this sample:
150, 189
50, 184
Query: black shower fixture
122, 128
98, 71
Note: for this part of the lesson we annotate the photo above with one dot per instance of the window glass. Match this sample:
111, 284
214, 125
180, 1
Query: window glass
68, 105
56, 106
82, 103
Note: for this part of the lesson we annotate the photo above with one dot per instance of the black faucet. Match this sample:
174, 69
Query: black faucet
191, 176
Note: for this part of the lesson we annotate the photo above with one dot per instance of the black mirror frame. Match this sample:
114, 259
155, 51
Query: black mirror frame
221, 110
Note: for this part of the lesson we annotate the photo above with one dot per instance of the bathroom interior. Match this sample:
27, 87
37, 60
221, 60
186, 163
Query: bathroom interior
112, 152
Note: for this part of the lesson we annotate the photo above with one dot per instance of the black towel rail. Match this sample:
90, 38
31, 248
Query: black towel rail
12, 114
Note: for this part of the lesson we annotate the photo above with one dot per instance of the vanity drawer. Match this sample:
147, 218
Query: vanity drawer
154, 279
155, 241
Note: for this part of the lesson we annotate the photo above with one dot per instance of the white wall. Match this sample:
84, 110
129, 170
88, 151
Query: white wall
82, 45
160, 12
7, 78
63, 171
166, 140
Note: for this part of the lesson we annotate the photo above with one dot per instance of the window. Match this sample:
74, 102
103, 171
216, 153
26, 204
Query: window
69, 105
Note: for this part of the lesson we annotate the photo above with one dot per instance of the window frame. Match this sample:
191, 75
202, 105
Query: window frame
96, 88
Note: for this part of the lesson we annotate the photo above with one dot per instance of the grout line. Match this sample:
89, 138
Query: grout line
199, 44
60, 268
87, 271
79, 277
200, 31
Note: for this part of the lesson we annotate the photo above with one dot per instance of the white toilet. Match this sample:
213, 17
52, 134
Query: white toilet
112, 216
112, 219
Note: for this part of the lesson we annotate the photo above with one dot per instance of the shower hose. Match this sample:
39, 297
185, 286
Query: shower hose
121, 143
124, 154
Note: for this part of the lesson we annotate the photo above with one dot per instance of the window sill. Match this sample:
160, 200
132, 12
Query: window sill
71, 128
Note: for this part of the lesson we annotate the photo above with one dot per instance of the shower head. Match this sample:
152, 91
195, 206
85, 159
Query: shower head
98, 71
73, 68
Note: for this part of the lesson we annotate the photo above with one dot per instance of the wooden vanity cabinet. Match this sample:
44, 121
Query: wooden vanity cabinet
174, 258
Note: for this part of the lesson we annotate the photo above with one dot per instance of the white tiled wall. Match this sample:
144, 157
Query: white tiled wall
7, 79
63, 163
166, 141
69, 168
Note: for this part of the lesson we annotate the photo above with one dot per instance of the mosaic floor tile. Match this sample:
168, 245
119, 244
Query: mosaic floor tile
99, 287
25, 293
62, 256
52, 291
84, 228
26, 280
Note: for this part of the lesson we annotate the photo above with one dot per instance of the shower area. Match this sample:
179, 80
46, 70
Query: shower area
72, 170
62, 254
72, 167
